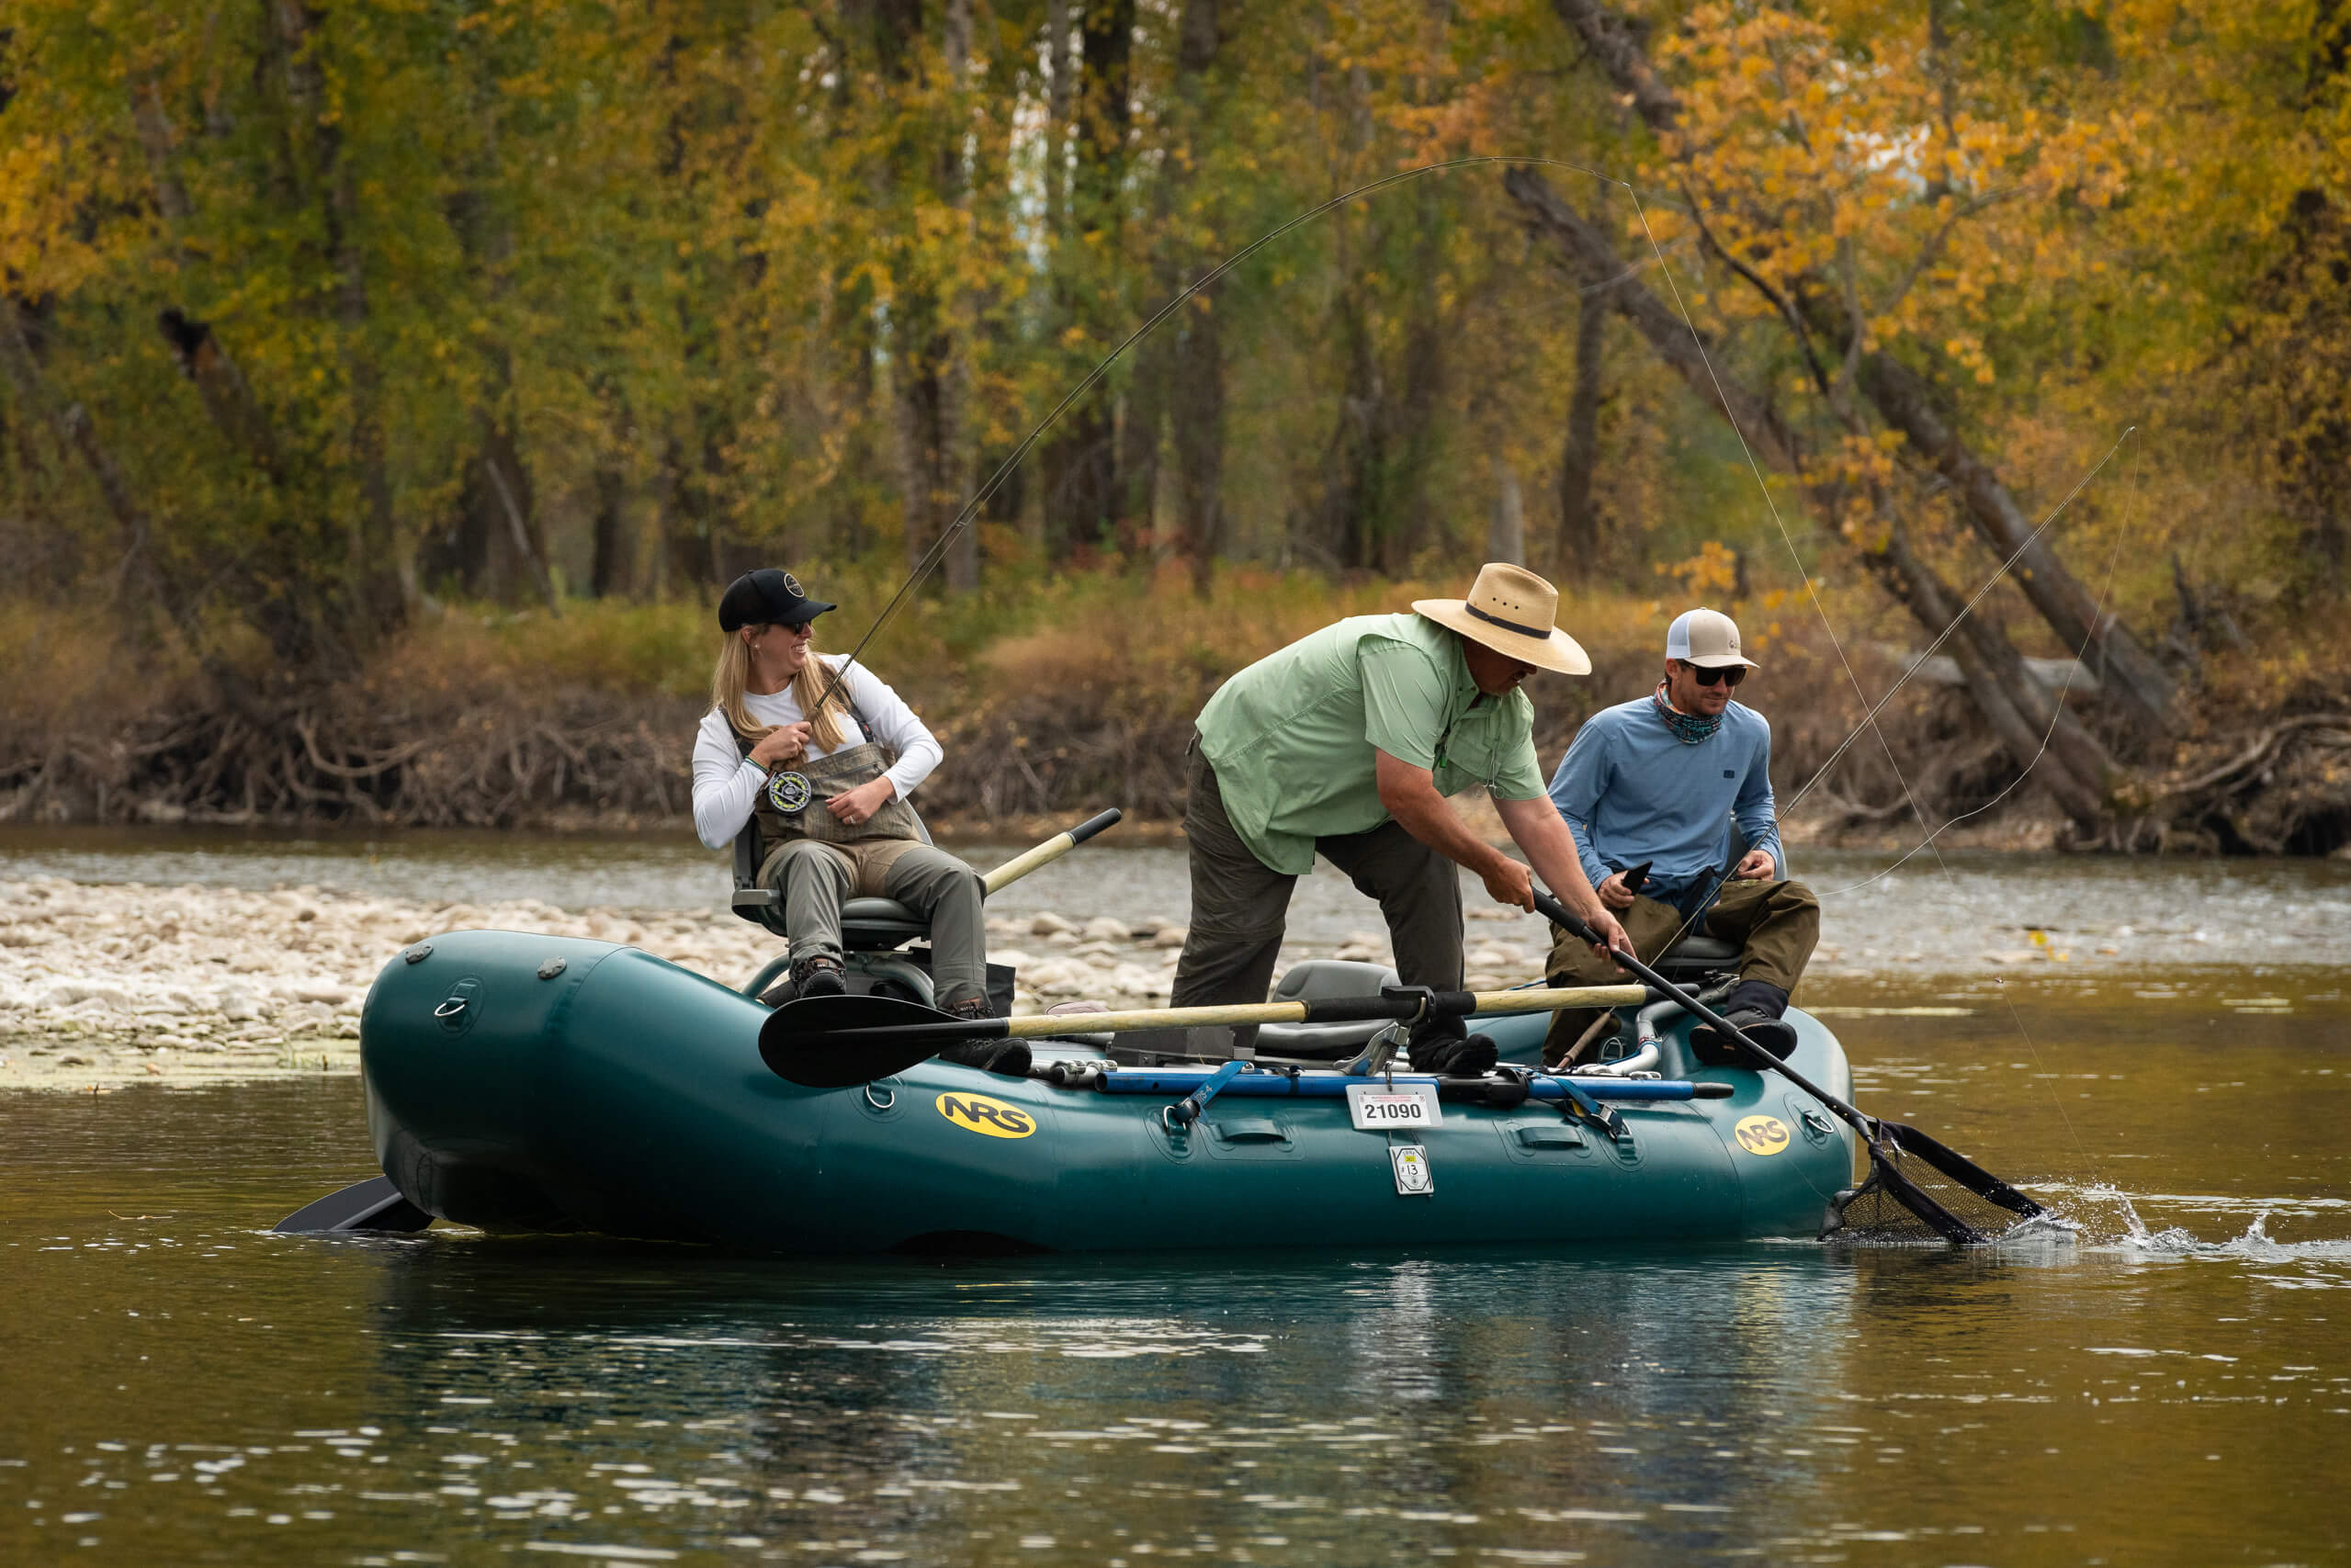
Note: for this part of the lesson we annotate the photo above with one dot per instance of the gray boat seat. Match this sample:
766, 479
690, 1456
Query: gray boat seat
1324, 977
879, 923
866, 924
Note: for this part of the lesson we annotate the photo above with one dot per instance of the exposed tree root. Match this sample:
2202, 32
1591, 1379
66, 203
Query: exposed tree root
491, 757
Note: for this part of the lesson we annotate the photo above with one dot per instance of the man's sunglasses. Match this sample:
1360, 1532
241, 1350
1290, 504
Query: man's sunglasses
1734, 675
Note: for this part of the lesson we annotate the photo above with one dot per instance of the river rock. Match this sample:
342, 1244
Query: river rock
1048, 923
1170, 936
1108, 927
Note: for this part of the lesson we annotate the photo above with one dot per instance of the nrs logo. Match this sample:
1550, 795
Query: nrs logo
977, 1113
1761, 1135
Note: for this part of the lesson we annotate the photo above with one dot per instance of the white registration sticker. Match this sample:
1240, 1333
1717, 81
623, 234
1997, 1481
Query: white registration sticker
1413, 1176
1379, 1107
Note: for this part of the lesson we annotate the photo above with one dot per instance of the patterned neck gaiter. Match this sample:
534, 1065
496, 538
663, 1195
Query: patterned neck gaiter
1689, 728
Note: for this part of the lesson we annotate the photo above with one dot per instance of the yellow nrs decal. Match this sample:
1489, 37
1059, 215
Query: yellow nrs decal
977, 1113
1761, 1135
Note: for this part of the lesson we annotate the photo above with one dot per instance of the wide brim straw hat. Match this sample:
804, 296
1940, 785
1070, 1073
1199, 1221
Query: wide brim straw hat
1512, 611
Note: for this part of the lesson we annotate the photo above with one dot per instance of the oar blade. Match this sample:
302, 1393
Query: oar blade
374, 1204
1920, 1189
807, 1041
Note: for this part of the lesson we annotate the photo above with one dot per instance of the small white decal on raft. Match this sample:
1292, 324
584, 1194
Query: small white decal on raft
1413, 1176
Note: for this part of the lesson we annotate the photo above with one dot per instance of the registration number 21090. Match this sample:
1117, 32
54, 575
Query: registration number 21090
1380, 1107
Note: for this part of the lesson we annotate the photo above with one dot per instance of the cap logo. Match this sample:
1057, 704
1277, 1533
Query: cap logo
792, 586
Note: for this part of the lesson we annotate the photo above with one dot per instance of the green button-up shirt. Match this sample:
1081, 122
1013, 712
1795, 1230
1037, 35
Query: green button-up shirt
1292, 737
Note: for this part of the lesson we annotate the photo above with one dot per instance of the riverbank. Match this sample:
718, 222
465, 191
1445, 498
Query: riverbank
1078, 695
225, 966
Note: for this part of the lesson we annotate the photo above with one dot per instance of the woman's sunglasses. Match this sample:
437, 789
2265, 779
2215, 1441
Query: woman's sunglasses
1734, 675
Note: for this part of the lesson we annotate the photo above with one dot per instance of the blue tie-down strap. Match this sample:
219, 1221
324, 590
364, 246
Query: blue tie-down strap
1576, 1101
1199, 1085
1185, 1111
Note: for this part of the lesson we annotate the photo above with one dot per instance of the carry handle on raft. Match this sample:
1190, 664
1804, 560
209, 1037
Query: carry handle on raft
839, 1042
1888, 1142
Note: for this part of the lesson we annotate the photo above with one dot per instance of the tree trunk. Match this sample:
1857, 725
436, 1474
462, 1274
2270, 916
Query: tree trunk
1079, 460
371, 549
2073, 770
1197, 425
227, 399
138, 589
2127, 673
1578, 551
2003, 690
1506, 531
2139, 688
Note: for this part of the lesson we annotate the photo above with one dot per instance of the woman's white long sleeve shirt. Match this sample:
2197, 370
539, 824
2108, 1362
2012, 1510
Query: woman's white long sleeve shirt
726, 785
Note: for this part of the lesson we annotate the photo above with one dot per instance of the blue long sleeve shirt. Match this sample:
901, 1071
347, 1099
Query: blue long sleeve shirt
1632, 791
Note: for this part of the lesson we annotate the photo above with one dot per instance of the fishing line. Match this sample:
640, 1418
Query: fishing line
2057, 698
1870, 720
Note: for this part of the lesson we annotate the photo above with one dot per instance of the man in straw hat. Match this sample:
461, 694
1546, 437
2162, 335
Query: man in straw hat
1659, 784
1345, 744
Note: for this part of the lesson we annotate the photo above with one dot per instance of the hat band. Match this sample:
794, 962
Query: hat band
1542, 634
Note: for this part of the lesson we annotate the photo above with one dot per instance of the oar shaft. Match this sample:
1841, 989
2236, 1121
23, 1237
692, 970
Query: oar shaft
1554, 910
1358, 1010
1327, 1009
1052, 850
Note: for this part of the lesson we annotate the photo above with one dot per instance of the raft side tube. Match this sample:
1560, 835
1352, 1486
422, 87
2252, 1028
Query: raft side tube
627, 1095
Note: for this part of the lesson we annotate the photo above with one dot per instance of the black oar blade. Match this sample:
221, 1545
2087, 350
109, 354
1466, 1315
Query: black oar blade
1917, 1189
374, 1204
1961, 1170
807, 1041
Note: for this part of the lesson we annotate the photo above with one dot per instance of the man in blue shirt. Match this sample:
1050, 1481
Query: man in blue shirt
1660, 782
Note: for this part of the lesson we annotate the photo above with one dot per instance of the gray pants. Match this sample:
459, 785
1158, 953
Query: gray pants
816, 879
1239, 904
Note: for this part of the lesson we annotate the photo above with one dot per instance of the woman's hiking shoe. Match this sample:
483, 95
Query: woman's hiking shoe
821, 978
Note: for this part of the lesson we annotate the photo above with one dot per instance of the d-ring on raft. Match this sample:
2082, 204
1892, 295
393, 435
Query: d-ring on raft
625, 1095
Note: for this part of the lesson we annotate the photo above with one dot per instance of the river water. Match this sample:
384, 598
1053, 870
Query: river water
2172, 1385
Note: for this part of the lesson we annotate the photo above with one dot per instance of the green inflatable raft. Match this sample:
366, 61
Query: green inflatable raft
533, 1082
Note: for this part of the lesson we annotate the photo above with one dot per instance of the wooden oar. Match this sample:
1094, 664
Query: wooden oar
836, 1041
1887, 1141
1052, 850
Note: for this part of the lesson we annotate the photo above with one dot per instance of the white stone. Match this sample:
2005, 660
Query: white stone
1108, 927
1048, 923
1170, 936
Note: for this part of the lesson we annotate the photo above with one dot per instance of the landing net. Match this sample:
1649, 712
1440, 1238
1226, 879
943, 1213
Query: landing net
1919, 1191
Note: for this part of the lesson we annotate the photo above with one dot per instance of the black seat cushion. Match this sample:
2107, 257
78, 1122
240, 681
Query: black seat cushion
1695, 955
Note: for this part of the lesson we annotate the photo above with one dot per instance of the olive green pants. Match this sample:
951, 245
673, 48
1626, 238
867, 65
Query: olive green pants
1776, 924
1240, 904
817, 878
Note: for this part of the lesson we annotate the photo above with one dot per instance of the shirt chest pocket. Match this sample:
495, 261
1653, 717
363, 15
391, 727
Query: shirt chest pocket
1470, 753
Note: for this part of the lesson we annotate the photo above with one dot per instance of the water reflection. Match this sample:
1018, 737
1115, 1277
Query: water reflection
181, 1386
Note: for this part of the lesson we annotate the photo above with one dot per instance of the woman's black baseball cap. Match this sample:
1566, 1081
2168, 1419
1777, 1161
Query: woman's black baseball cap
767, 597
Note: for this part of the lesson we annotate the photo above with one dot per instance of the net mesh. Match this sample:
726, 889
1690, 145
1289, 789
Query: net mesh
1917, 1190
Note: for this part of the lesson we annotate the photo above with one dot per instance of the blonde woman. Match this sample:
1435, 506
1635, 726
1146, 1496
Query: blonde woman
826, 762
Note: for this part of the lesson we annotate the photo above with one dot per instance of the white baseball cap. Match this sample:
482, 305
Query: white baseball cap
1707, 639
